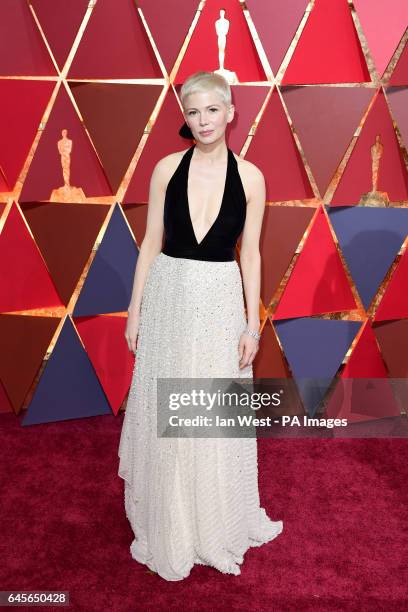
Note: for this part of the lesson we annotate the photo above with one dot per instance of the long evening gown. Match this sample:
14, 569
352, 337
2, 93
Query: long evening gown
191, 500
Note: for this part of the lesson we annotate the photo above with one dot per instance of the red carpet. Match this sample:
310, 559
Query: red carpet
343, 503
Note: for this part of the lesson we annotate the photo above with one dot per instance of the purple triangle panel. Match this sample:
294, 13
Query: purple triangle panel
68, 387
109, 282
370, 239
315, 349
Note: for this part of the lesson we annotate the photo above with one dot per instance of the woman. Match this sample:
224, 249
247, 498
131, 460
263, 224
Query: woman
195, 500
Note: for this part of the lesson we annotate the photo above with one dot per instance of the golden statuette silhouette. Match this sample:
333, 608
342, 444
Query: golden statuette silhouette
221, 28
67, 193
375, 197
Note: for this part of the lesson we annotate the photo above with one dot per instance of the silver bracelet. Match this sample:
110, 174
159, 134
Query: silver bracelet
254, 334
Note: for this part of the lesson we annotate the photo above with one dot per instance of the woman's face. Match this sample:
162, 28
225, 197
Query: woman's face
207, 115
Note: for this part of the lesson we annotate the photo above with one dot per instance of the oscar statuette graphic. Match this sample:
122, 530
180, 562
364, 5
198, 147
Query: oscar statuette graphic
66, 193
375, 197
221, 28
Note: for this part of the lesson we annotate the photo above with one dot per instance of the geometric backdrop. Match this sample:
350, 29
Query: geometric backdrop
89, 102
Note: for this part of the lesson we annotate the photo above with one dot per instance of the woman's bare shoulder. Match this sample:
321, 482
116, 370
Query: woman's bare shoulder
251, 170
166, 166
251, 176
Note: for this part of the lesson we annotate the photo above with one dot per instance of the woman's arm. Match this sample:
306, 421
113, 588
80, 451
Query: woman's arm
153, 238
250, 257
250, 260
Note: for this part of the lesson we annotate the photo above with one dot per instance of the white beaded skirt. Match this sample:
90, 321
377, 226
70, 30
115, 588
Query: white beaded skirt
189, 500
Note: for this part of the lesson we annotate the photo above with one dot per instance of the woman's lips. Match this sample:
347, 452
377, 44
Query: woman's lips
206, 133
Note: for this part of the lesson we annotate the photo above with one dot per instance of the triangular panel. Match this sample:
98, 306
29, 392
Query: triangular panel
46, 170
136, 214
23, 104
22, 49
24, 342
169, 23
318, 283
163, 140
60, 26
393, 340
104, 340
26, 282
276, 24
328, 50
123, 111
282, 230
115, 45
65, 235
357, 178
394, 303
400, 73
109, 282
315, 349
68, 387
325, 119
370, 239
398, 100
376, 18
363, 393
240, 55
274, 151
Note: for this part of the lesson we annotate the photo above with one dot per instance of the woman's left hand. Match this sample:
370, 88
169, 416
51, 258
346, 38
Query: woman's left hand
247, 349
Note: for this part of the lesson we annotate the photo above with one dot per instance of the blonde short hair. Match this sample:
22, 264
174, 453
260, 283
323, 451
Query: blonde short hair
203, 81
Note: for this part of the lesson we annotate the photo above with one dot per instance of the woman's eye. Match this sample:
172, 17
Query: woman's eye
194, 112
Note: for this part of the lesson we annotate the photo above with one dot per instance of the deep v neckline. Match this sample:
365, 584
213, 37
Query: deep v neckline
222, 199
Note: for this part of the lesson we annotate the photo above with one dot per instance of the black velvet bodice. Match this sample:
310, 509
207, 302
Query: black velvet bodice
220, 241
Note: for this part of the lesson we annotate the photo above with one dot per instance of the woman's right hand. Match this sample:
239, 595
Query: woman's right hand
132, 330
